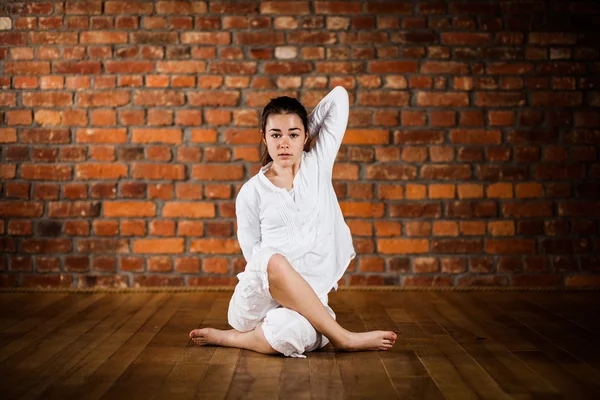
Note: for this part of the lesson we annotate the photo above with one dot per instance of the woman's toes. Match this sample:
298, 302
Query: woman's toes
194, 333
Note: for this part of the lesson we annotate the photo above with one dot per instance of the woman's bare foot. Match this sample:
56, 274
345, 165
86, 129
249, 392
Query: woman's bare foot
373, 340
253, 340
210, 336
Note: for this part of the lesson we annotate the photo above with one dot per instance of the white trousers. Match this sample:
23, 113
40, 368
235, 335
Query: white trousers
287, 331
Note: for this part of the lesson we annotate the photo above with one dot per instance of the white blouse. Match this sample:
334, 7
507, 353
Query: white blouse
305, 225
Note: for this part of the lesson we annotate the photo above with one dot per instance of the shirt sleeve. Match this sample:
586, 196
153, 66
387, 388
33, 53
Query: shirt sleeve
248, 222
328, 121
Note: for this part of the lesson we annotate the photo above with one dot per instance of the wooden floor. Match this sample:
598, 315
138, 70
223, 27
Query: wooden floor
453, 345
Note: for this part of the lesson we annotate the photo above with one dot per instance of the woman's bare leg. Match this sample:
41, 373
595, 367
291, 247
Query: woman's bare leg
254, 340
292, 291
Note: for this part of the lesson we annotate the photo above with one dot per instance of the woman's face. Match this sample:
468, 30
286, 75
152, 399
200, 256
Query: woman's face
285, 138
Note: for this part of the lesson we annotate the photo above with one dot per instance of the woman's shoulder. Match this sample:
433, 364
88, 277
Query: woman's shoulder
249, 190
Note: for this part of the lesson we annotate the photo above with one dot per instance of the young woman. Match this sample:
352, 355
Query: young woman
294, 238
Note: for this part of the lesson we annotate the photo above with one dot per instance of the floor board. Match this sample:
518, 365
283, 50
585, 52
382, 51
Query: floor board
451, 345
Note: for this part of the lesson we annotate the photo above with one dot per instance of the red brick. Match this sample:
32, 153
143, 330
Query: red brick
214, 99
157, 280
362, 209
103, 37
388, 228
100, 171
371, 264
391, 172
387, 67
132, 228
217, 172
527, 209
48, 281
449, 172
215, 246
386, 7
509, 68
556, 99
447, 99
101, 135
337, 7
129, 209
54, 99
217, 154
341, 67
159, 246
384, 99
444, 67
128, 7
462, 38
499, 99
188, 210
402, 246
150, 135
578, 208
476, 136
46, 246
46, 172
432, 210
158, 171
501, 118
158, 98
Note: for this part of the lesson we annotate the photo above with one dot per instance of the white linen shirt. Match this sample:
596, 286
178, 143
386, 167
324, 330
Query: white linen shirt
307, 228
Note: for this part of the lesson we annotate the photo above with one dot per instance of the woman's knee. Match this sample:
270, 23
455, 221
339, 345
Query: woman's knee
289, 332
278, 265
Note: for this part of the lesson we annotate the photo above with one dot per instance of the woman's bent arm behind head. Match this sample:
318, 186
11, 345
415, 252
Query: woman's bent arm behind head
329, 120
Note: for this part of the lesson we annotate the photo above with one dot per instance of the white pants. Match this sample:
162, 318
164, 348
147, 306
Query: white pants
287, 331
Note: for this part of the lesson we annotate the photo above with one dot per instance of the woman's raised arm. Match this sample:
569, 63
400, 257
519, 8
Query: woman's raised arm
328, 121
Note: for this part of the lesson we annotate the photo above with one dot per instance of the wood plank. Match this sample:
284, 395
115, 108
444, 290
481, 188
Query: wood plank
404, 369
511, 375
57, 366
582, 311
20, 369
362, 373
95, 374
579, 369
52, 318
160, 354
294, 383
497, 339
325, 379
215, 382
255, 375
451, 344
441, 370
182, 381
324, 373
566, 385
16, 307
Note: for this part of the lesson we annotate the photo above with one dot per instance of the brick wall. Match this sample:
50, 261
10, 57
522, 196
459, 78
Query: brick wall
471, 156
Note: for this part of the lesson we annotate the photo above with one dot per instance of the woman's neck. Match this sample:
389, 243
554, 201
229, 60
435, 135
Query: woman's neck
284, 171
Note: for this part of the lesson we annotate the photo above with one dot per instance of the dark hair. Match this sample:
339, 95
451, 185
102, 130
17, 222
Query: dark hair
282, 105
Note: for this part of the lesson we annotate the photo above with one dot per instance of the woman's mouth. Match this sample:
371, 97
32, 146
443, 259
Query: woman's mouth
285, 155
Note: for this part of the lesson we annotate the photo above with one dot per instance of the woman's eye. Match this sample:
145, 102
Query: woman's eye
275, 135
294, 135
